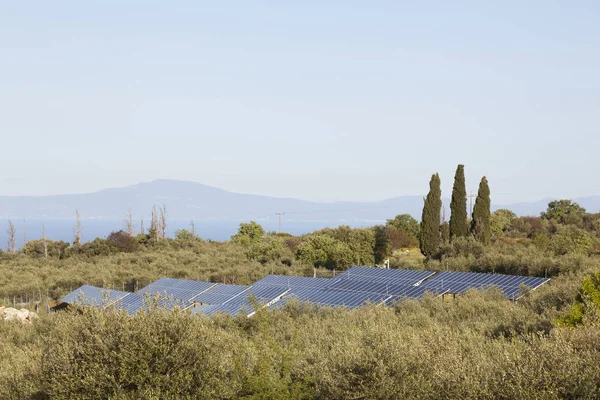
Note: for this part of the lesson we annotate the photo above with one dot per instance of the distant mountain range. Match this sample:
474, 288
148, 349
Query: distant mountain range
190, 200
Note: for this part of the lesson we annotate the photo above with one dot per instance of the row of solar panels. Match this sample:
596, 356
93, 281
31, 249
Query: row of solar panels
353, 288
165, 293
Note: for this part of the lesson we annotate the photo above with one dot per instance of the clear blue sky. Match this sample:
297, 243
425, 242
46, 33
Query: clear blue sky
337, 100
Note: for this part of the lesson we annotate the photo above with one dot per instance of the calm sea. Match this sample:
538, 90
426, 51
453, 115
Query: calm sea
207, 229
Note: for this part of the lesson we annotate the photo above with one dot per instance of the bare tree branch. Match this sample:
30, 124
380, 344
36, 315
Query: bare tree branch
77, 240
163, 221
129, 224
154, 228
12, 243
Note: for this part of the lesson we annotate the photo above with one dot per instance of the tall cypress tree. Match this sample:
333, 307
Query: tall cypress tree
430, 220
458, 205
480, 224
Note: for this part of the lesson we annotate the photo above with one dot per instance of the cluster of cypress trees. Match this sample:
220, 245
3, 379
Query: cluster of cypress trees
480, 228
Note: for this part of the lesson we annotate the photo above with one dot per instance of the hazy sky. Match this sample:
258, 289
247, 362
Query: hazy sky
335, 100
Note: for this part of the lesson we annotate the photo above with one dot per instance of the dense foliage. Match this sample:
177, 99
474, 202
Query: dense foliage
403, 231
480, 345
588, 302
537, 246
477, 346
248, 233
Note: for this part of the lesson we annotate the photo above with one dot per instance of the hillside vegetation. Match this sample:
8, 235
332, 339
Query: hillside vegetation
480, 345
564, 240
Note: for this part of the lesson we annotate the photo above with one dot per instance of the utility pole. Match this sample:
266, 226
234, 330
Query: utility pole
279, 215
471, 196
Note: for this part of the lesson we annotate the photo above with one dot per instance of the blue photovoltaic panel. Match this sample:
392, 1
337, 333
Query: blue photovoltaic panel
398, 291
242, 302
184, 284
197, 286
293, 281
228, 308
176, 293
206, 310
331, 298
177, 288
135, 302
219, 294
165, 282
397, 276
410, 294
93, 296
262, 294
460, 282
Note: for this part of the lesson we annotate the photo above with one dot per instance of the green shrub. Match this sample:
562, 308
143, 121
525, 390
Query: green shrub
479, 345
588, 302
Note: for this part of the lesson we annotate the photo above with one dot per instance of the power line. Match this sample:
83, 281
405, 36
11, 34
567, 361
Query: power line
279, 215
471, 195
257, 216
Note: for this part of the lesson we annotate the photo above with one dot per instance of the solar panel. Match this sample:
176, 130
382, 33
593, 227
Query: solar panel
396, 276
219, 294
415, 295
165, 282
353, 288
460, 282
397, 291
293, 281
206, 310
92, 296
135, 302
177, 288
262, 294
331, 298
230, 309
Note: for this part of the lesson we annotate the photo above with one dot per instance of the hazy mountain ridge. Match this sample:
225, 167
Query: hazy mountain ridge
186, 200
